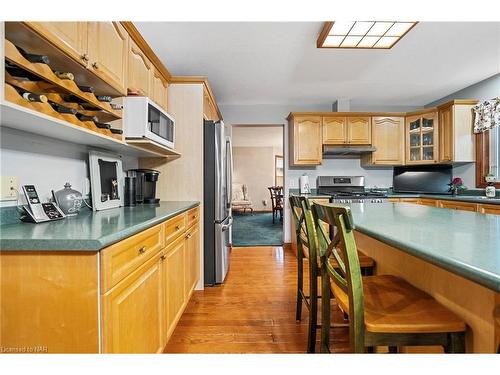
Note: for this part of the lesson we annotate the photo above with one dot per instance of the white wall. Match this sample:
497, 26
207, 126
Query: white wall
45, 162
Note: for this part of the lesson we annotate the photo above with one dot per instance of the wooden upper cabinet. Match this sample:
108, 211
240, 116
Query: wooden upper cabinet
69, 37
305, 140
334, 130
159, 87
139, 70
422, 138
359, 130
132, 312
108, 43
456, 137
388, 139
446, 134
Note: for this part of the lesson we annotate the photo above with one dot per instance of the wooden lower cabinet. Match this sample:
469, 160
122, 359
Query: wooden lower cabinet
428, 202
192, 258
173, 272
132, 311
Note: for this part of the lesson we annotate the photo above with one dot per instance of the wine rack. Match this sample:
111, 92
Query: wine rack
57, 91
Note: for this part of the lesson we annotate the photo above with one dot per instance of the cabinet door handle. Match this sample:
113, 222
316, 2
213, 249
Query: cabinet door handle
177, 227
188, 236
194, 216
163, 257
85, 57
95, 65
142, 250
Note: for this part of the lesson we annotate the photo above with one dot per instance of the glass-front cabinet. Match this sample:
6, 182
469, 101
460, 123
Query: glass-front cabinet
422, 138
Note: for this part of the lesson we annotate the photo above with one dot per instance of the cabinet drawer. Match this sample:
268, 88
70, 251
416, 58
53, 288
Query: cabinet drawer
192, 216
428, 202
174, 227
458, 205
120, 259
493, 209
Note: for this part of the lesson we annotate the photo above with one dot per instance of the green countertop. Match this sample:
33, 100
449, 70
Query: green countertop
88, 230
465, 243
476, 198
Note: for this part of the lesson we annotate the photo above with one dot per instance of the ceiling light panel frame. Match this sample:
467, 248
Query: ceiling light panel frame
363, 34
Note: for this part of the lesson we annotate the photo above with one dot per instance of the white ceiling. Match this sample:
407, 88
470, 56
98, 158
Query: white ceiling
278, 62
257, 136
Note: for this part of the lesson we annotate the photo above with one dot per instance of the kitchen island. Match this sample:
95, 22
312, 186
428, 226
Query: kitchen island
452, 255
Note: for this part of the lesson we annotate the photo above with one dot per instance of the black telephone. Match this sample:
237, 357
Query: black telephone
37, 212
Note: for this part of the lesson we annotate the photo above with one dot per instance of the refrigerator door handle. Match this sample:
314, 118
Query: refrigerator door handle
228, 225
229, 172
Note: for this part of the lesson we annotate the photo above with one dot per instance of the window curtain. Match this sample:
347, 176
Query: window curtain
486, 115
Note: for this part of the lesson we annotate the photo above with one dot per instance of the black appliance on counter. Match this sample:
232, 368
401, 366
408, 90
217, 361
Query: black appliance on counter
145, 185
431, 179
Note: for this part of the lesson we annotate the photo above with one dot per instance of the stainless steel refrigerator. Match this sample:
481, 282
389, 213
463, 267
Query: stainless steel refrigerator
217, 192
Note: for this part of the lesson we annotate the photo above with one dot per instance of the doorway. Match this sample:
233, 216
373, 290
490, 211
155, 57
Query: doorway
258, 181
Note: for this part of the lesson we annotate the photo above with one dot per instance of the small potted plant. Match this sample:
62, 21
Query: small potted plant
457, 184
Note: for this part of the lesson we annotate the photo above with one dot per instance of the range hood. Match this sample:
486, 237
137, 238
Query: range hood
330, 151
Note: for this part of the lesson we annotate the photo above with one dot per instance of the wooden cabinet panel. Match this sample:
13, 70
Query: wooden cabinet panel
359, 130
174, 227
69, 37
209, 110
108, 44
120, 259
192, 216
159, 89
428, 202
388, 139
306, 140
493, 209
409, 200
334, 130
192, 258
132, 312
464, 206
139, 70
446, 134
173, 270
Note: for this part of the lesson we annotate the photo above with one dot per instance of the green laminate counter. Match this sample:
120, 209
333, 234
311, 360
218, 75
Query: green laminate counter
462, 242
88, 230
478, 197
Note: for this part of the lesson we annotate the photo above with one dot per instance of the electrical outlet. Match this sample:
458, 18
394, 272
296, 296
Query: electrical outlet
8, 188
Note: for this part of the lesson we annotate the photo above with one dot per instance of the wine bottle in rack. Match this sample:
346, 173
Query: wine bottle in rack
64, 75
116, 131
102, 125
83, 117
86, 88
31, 97
104, 98
34, 58
15, 71
62, 109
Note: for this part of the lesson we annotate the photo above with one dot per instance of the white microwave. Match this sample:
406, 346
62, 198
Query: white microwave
145, 119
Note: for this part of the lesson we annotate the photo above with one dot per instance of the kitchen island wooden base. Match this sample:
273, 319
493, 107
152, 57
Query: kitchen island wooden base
477, 305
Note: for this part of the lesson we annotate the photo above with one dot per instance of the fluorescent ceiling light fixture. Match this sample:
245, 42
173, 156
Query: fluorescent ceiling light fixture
363, 34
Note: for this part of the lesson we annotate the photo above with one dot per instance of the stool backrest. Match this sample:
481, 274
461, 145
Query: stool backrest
300, 226
346, 278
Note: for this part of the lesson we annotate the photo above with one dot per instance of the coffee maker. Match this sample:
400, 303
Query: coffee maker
145, 185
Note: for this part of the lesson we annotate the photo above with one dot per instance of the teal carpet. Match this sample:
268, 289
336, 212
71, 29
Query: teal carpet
256, 230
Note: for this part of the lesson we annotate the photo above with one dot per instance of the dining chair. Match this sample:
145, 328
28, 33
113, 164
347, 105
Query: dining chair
300, 206
383, 310
276, 201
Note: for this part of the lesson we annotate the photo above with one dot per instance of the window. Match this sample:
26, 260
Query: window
494, 147
488, 156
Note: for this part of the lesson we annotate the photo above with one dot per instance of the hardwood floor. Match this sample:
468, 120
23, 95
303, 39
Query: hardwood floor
252, 312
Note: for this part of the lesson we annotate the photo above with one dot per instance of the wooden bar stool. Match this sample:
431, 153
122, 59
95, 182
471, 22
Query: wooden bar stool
304, 250
383, 310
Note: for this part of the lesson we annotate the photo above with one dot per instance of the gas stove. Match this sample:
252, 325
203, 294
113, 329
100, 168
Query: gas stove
348, 189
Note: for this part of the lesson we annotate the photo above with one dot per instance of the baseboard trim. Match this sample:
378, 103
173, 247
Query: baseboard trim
287, 246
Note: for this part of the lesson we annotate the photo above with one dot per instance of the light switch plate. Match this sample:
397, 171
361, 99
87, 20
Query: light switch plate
9, 188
